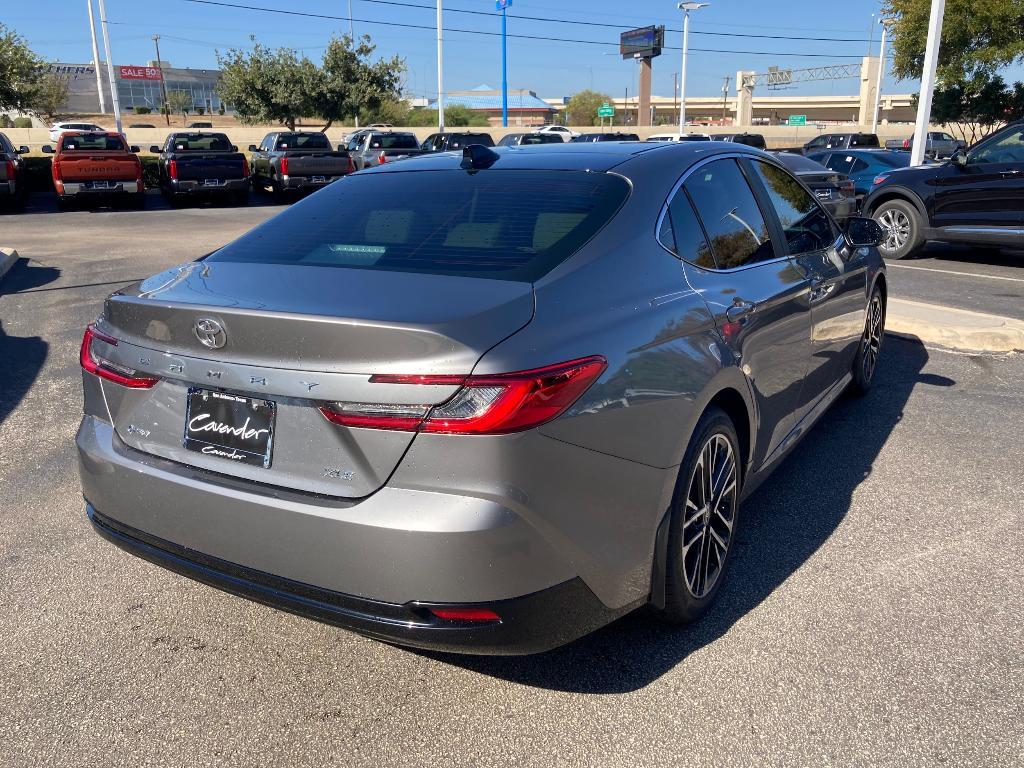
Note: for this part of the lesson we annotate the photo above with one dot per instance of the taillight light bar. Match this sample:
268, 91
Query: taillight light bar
483, 405
284, 166
12, 170
172, 169
106, 369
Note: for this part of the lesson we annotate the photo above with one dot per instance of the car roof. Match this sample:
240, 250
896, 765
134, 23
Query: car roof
108, 134
566, 156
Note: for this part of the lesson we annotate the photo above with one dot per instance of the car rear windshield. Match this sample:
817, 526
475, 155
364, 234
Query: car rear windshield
799, 163
394, 141
864, 140
98, 143
508, 225
205, 142
303, 141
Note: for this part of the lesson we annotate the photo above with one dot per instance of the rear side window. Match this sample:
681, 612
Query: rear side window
93, 143
682, 233
864, 140
303, 141
729, 212
509, 225
804, 222
394, 141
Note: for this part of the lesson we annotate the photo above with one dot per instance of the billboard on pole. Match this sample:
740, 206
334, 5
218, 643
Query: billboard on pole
642, 43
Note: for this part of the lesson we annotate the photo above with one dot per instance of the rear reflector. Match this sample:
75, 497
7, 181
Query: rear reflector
465, 614
105, 369
484, 405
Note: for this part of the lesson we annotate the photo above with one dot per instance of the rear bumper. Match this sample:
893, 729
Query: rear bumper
222, 186
80, 188
306, 182
529, 624
8, 188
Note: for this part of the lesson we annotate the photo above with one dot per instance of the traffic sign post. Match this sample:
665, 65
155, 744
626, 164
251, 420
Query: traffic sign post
605, 110
797, 120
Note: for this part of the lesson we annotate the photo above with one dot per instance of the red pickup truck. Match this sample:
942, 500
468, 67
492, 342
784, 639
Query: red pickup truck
90, 165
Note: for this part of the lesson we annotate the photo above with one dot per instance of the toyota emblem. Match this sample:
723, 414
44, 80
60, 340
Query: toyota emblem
210, 333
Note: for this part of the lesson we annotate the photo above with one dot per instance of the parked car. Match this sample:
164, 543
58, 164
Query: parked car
13, 184
200, 124
862, 165
750, 139
584, 138
679, 137
446, 142
296, 161
435, 402
201, 164
833, 189
973, 198
557, 130
526, 139
370, 148
142, 125
939, 144
96, 166
839, 141
58, 128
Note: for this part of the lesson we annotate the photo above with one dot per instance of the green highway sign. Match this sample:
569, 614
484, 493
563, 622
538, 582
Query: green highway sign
798, 119
606, 110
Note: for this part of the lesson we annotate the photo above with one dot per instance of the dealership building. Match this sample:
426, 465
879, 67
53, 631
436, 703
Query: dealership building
138, 86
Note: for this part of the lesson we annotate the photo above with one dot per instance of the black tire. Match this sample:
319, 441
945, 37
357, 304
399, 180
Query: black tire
241, 198
278, 193
65, 204
692, 524
903, 228
865, 363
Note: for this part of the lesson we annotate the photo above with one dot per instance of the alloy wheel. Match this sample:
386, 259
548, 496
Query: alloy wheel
897, 228
871, 342
709, 515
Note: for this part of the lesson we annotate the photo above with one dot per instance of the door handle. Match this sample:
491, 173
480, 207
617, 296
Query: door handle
1010, 173
821, 289
738, 310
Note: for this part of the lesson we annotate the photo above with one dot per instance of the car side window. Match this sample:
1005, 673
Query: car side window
821, 141
729, 212
353, 144
1008, 148
839, 162
267, 143
805, 223
858, 166
682, 233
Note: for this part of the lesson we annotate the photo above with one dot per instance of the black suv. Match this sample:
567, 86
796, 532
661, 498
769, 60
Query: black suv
587, 137
750, 139
841, 141
975, 197
445, 142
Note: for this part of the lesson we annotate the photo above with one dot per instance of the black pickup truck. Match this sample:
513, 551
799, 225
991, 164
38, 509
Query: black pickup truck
296, 161
13, 183
201, 164
370, 148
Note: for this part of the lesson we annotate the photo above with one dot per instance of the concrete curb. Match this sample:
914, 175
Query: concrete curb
957, 329
8, 258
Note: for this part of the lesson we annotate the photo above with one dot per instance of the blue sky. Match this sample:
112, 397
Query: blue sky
191, 33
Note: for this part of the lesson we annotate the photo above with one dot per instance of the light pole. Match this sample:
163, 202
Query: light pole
924, 102
96, 62
881, 73
110, 66
163, 84
440, 74
502, 6
685, 8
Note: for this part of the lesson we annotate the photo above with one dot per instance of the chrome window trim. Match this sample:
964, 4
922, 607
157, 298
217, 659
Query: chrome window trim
682, 180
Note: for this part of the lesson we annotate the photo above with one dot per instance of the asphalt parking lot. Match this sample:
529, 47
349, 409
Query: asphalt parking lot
872, 617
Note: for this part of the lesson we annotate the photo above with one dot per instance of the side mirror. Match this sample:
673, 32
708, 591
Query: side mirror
342, 148
861, 232
234, 147
253, 148
47, 149
154, 149
23, 150
134, 149
959, 157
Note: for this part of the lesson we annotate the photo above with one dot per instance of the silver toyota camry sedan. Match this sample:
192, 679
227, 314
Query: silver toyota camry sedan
482, 402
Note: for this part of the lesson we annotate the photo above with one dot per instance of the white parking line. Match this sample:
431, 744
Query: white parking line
962, 274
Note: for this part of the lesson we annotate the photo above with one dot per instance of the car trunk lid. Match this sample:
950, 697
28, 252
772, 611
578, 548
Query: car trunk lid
199, 167
98, 166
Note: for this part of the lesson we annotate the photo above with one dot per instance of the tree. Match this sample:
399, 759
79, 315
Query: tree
179, 101
455, 116
48, 96
582, 107
975, 108
350, 84
267, 86
20, 71
389, 111
978, 37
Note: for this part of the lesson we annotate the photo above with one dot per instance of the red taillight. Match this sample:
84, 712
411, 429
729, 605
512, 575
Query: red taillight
484, 405
383, 159
906, 143
465, 614
351, 164
56, 170
138, 174
12, 170
284, 166
106, 369
172, 169
847, 187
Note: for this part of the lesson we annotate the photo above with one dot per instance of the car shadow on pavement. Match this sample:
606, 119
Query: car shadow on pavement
785, 522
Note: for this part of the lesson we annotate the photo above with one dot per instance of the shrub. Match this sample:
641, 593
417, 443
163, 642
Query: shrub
5, 122
142, 110
200, 110
22, 122
220, 111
